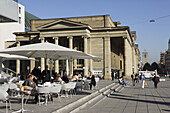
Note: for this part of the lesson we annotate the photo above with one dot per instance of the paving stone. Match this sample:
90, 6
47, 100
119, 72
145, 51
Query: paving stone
136, 100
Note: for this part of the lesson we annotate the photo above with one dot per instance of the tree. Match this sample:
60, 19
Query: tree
154, 66
147, 66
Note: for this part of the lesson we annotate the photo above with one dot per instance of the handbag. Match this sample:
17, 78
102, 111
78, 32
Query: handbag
145, 83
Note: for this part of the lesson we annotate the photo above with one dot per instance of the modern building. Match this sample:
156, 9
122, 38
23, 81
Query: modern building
96, 35
8, 28
144, 58
8, 11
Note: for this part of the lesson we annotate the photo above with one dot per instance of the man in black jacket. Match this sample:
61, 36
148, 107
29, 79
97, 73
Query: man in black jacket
155, 80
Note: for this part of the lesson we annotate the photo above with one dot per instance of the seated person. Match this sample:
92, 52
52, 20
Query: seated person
58, 78
29, 81
65, 78
121, 81
74, 78
80, 75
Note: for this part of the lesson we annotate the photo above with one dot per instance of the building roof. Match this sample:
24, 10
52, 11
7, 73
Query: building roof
28, 18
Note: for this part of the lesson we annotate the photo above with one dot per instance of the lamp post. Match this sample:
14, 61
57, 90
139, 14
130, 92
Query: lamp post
151, 20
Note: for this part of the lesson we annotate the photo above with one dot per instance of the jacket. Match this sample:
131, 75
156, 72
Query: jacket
142, 77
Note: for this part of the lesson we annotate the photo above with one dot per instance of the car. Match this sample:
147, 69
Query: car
148, 74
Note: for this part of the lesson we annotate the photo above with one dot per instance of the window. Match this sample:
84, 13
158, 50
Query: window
19, 10
19, 20
16, 1
120, 64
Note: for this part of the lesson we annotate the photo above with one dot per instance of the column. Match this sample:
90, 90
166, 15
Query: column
67, 67
91, 65
126, 63
56, 65
133, 62
0, 66
47, 63
85, 60
75, 60
42, 59
18, 61
91, 61
70, 61
107, 58
32, 64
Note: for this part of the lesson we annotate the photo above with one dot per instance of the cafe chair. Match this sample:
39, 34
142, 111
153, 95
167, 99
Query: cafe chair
55, 89
43, 91
4, 97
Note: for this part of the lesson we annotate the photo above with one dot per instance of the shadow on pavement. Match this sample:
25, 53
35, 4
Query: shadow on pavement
166, 110
151, 96
123, 97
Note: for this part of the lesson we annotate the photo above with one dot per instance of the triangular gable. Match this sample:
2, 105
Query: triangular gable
62, 23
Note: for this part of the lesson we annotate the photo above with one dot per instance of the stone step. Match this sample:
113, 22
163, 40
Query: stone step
96, 100
90, 103
73, 107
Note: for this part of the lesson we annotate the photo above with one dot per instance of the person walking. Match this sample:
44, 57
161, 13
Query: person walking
137, 77
113, 75
93, 82
133, 78
155, 80
142, 78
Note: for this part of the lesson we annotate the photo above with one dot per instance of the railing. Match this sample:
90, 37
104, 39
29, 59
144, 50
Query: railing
9, 71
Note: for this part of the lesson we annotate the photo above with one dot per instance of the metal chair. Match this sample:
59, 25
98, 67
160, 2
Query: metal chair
72, 87
86, 84
22, 90
12, 88
79, 85
27, 92
55, 89
47, 84
45, 91
4, 87
97, 81
5, 97
68, 87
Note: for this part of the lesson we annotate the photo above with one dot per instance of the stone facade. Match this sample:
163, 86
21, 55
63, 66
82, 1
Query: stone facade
96, 35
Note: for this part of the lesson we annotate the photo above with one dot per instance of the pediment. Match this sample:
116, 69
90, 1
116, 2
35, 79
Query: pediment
60, 24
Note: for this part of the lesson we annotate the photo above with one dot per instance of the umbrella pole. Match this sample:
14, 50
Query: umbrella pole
0, 66
51, 68
71, 67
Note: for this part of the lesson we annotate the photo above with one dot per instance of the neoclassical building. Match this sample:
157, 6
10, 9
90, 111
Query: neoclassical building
96, 35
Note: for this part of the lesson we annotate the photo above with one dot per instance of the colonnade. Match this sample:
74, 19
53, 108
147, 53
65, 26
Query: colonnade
129, 63
69, 62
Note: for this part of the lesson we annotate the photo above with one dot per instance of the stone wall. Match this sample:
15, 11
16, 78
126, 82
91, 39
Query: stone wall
93, 21
97, 50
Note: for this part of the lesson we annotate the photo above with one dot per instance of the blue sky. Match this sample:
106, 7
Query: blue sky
152, 37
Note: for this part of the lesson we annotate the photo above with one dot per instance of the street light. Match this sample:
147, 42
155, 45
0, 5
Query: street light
152, 21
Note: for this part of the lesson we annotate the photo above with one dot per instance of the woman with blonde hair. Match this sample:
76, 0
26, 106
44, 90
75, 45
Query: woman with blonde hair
58, 78
142, 78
